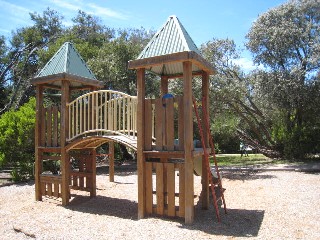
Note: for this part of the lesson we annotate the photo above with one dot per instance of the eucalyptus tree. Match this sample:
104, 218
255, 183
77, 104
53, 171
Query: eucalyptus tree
237, 108
22, 56
286, 40
111, 63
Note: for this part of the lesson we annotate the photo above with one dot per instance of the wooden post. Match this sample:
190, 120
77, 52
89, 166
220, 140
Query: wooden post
93, 192
63, 137
38, 130
205, 177
188, 141
140, 143
111, 161
164, 85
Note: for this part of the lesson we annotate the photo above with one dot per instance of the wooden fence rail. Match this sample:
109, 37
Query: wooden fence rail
104, 111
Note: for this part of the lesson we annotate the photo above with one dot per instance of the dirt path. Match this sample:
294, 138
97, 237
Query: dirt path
261, 205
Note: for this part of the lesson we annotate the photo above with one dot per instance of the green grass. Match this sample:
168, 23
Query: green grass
237, 160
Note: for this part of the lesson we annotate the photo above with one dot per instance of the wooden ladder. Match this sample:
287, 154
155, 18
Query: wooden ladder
216, 187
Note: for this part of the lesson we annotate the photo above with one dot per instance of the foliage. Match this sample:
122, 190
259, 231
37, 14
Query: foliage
286, 40
17, 140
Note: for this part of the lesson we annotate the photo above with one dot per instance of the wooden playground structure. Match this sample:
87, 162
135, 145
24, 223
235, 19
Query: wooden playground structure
160, 130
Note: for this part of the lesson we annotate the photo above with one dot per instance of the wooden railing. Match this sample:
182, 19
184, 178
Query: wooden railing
103, 112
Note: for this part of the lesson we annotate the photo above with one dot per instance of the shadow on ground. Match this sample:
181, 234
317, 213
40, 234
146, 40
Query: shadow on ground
244, 175
102, 205
236, 223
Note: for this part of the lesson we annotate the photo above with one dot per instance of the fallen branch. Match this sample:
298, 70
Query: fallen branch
24, 232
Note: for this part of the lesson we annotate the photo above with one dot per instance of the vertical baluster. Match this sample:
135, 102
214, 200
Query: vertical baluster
81, 115
70, 121
77, 117
85, 113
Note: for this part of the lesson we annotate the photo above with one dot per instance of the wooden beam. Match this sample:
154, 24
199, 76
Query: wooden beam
164, 85
93, 191
39, 109
186, 56
66, 77
205, 176
111, 161
63, 141
188, 141
140, 143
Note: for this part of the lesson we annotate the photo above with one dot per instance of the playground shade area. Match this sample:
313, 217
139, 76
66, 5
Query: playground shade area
261, 205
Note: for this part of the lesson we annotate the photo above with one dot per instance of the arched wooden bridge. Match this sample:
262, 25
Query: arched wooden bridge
101, 116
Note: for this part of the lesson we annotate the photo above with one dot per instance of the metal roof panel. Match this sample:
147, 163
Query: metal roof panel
67, 60
172, 37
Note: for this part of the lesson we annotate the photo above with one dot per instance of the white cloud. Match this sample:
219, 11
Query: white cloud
90, 8
14, 9
105, 12
74, 6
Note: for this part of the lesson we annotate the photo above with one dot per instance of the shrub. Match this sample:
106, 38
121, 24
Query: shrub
17, 140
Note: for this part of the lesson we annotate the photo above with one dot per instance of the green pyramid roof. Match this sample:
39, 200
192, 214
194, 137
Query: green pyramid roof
66, 64
172, 37
67, 60
168, 48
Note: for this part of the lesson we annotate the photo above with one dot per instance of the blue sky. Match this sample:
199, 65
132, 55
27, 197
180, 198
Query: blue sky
203, 19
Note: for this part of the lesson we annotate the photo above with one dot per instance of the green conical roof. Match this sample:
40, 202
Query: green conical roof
67, 60
172, 37
168, 49
66, 65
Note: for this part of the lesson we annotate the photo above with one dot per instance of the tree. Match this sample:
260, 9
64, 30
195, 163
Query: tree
111, 63
22, 57
17, 140
286, 40
236, 108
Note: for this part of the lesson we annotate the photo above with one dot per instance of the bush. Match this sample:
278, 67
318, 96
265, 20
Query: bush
17, 140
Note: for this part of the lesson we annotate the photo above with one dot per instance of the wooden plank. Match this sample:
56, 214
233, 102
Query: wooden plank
82, 161
140, 142
148, 125
205, 174
50, 149
164, 154
88, 170
111, 161
188, 141
171, 58
56, 189
181, 190
164, 85
49, 190
158, 124
171, 189
38, 139
169, 124
43, 126
55, 126
180, 123
49, 127
149, 188
65, 191
93, 192
159, 188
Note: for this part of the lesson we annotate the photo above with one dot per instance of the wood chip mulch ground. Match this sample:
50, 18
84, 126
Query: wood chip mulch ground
261, 205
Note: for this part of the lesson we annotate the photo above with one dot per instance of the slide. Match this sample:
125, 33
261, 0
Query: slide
197, 167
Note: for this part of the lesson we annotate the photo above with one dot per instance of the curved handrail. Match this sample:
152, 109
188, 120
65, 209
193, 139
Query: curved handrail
103, 111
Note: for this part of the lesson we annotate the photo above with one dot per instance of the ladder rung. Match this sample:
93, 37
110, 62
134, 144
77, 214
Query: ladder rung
216, 188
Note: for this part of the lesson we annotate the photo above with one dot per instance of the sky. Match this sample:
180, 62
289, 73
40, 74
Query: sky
203, 19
